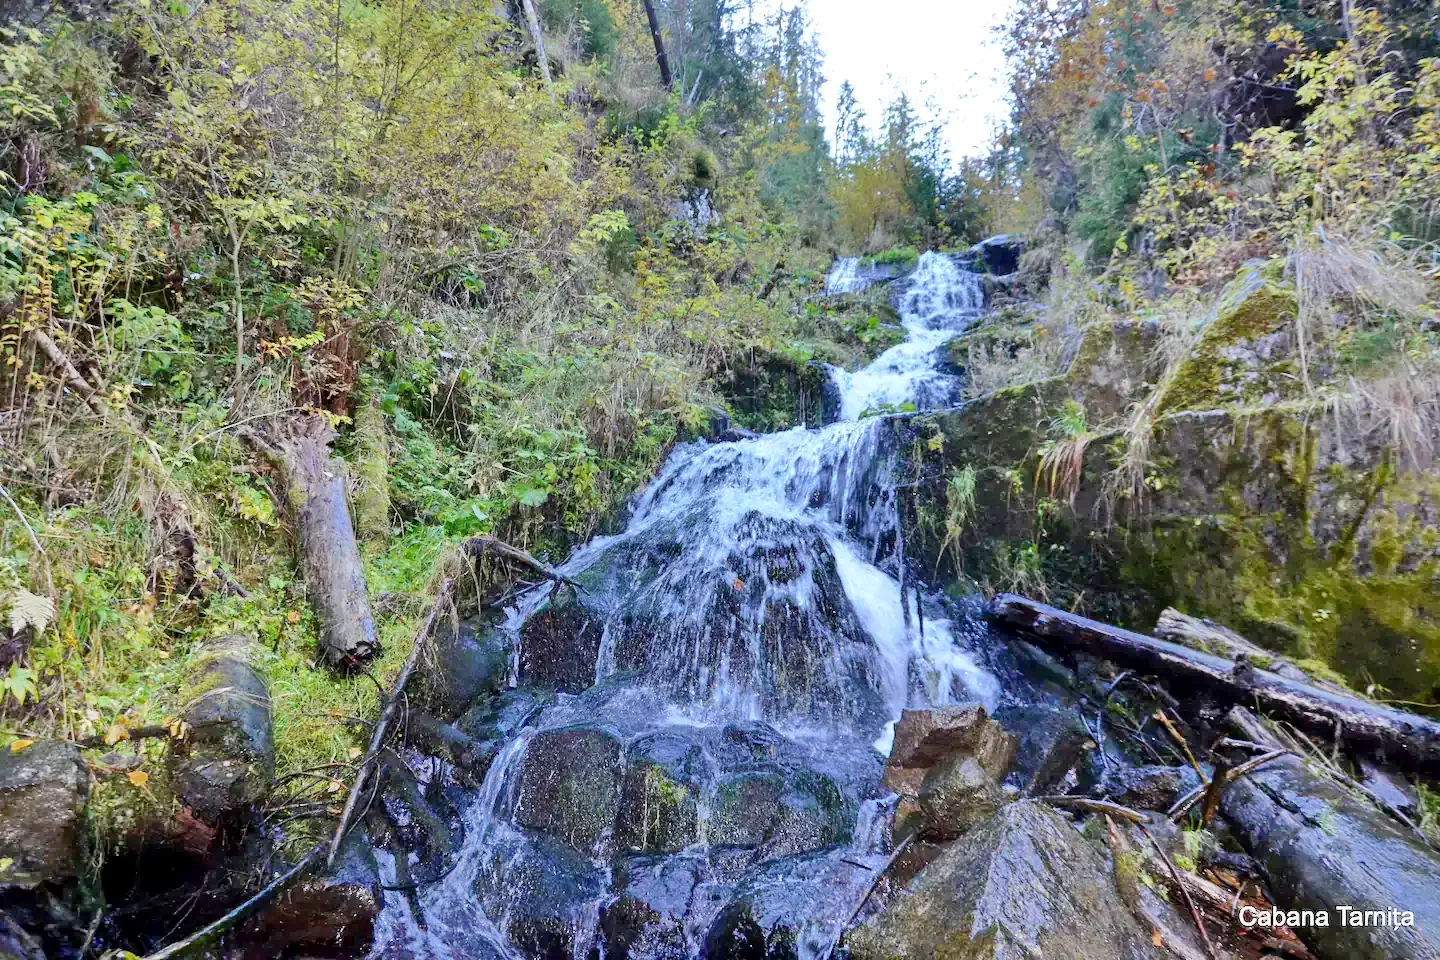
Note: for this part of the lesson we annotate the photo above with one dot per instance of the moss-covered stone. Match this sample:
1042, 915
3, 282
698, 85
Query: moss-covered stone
1246, 352
1115, 363
569, 785
773, 391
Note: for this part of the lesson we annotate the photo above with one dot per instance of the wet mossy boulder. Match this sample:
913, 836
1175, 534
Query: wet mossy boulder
1024, 884
656, 897
43, 792
569, 785
664, 777
1246, 354
560, 643
464, 664
773, 391
782, 814
539, 893
227, 763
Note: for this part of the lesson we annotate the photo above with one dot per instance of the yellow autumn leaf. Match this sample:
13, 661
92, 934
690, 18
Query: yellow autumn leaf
335, 787
138, 777
19, 746
115, 733
354, 753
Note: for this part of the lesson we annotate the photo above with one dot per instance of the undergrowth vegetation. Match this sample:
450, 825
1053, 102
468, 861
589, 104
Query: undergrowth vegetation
510, 289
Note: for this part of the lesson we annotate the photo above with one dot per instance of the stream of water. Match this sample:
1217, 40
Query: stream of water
752, 651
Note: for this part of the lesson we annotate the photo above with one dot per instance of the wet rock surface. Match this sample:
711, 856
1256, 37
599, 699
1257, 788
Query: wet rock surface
43, 792
570, 785
1145, 787
956, 797
1024, 884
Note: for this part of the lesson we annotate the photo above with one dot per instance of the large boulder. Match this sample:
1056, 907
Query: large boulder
560, 643
646, 920
664, 776
464, 665
569, 785
783, 813
227, 764
539, 893
1052, 741
1025, 884
43, 792
999, 254
1246, 352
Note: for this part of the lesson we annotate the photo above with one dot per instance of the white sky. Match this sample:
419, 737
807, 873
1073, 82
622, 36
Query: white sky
943, 49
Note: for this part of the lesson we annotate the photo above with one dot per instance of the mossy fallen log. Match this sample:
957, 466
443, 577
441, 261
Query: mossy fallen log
1409, 741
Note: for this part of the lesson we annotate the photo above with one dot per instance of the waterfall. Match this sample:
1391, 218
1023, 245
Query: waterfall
749, 633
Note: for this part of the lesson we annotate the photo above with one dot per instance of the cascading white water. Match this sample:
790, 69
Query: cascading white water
757, 581
940, 301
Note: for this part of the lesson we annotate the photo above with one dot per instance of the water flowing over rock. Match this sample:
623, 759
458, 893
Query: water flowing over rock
699, 766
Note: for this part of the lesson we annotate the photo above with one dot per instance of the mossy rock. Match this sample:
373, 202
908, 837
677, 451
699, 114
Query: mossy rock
1115, 364
1246, 353
773, 391
1023, 884
569, 785
664, 776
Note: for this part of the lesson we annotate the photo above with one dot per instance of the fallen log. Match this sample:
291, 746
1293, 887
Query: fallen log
1320, 847
330, 556
1407, 740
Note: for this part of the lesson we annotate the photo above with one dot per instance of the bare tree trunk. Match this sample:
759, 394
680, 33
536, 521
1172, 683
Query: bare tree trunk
538, 38
330, 557
665, 76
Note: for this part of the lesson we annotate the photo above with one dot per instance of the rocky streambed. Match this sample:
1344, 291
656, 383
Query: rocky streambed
750, 724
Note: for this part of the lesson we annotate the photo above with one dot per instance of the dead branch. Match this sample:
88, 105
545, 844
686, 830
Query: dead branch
443, 598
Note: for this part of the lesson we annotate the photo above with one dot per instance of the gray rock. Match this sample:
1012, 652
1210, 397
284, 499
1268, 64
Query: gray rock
43, 792
466, 665
924, 738
1052, 741
227, 764
1024, 885
956, 797
569, 785
999, 254
1146, 788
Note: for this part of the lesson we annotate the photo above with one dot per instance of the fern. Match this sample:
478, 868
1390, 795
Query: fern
29, 610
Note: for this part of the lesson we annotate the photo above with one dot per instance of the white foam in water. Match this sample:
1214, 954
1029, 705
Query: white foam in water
939, 302
737, 556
